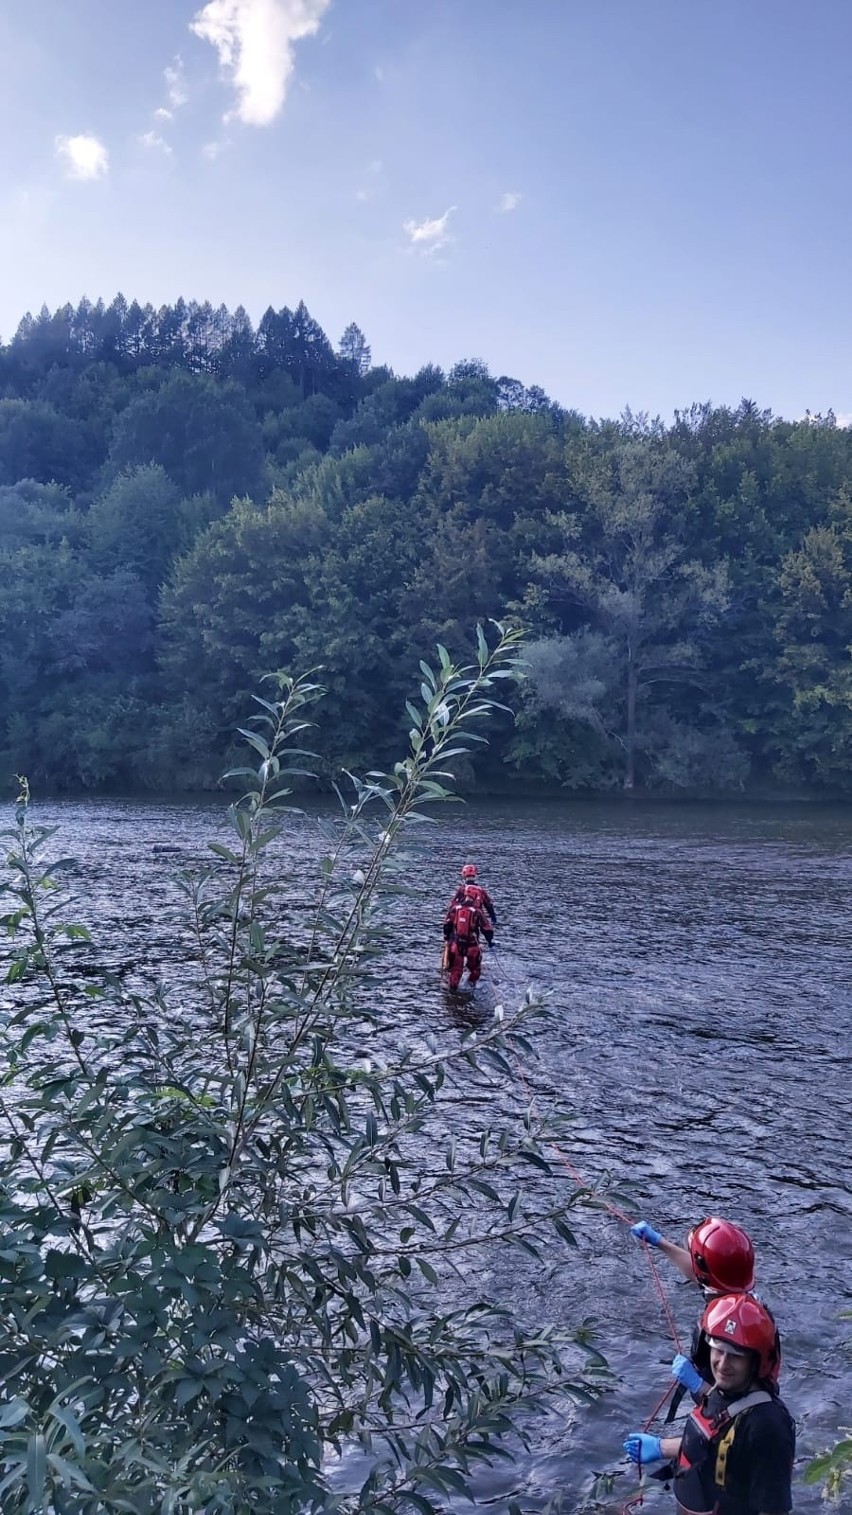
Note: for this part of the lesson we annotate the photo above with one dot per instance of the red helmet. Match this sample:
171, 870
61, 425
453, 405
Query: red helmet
742, 1321
722, 1255
469, 870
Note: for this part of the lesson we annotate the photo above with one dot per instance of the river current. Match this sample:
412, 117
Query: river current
698, 965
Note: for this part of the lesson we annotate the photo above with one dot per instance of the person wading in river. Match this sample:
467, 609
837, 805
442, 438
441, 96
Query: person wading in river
735, 1456
719, 1257
462, 927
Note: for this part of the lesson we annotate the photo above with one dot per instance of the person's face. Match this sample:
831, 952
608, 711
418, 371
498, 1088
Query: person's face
731, 1372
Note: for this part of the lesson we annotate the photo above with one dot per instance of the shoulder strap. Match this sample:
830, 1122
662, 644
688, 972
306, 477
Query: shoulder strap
748, 1401
675, 1403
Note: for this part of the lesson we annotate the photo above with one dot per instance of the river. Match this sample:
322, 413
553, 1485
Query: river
698, 965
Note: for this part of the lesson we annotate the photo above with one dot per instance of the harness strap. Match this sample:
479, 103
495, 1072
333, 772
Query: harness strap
756, 1397
675, 1403
712, 1426
722, 1451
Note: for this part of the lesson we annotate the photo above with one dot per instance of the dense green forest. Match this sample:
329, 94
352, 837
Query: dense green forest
187, 502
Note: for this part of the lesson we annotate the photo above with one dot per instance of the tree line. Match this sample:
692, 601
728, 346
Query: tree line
188, 502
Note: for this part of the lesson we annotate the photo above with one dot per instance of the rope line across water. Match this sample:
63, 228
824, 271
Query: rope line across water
638, 1499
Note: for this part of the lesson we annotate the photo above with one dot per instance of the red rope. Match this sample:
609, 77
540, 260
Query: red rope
638, 1499
663, 1301
613, 1210
659, 1405
634, 1504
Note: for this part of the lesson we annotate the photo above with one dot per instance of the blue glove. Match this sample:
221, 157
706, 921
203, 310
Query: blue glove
642, 1448
645, 1232
685, 1371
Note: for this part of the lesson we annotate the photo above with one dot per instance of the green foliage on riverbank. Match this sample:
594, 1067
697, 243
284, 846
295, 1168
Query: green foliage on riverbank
187, 501
832, 1470
228, 1233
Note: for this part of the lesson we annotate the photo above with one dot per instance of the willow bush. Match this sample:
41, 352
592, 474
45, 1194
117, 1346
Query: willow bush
833, 1469
226, 1233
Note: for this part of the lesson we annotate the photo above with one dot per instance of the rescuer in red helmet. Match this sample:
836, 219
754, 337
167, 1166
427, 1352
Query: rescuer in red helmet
470, 914
471, 888
464, 923
720, 1257
718, 1254
735, 1456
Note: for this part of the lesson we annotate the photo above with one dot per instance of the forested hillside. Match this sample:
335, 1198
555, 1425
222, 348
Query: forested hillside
187, 502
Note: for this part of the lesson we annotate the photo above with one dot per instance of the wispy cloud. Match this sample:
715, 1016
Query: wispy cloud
177, 95
255, 40
212, 150
509, 201
82, 157
154, 140
429, 235
176, 84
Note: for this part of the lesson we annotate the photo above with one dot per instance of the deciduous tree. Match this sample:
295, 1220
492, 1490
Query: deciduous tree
624, 564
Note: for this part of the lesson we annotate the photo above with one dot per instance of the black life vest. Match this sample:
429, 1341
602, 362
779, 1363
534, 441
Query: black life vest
702, 1462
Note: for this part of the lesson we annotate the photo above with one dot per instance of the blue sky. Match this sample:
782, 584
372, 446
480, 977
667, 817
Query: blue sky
641, 202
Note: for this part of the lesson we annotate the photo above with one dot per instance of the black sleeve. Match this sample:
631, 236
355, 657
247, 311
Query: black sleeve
767, 1450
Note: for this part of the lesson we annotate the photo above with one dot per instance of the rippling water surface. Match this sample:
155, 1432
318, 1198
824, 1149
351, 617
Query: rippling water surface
699, 965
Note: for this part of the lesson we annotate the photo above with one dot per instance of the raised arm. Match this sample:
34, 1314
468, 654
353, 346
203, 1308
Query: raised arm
644, 1231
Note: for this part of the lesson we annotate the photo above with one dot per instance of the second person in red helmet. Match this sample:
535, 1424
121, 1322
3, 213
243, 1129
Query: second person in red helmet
718, 1256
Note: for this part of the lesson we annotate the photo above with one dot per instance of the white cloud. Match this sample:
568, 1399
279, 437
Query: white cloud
82, 157
212, 150
429, 235
255, 40
176, 84
509, 201
177, 95
844, 418
153, 139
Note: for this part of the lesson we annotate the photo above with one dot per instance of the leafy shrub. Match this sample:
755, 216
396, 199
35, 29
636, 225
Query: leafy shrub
225, 1235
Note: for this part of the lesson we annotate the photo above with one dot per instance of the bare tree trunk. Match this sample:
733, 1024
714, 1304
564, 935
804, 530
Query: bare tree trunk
630, 771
